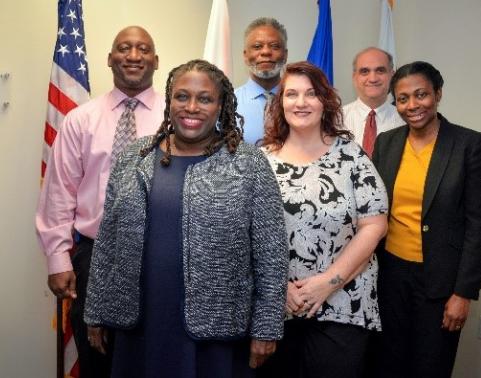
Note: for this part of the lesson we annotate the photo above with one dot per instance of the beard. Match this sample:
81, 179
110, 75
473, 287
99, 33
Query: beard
269, 74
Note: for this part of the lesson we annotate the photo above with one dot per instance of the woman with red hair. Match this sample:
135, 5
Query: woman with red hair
335, 209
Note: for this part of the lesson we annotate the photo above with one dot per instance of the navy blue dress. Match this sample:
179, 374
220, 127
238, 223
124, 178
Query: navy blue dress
159, 346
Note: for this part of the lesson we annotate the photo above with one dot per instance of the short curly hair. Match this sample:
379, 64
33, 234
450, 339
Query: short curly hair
267, 21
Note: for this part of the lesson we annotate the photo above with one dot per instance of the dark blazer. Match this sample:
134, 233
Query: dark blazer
451, 209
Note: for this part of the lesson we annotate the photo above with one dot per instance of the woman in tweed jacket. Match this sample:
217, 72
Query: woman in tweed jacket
191, 256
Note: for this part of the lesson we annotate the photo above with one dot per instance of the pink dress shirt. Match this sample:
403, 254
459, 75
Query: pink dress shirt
72, 196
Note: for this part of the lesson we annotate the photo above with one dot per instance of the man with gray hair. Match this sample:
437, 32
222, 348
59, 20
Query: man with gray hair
265, 54
372, 112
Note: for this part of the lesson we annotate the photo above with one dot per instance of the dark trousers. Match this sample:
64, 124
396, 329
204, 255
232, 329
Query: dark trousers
412, 343
313, 349
92, 363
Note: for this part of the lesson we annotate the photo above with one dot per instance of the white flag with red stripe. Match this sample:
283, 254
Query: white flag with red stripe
217, 48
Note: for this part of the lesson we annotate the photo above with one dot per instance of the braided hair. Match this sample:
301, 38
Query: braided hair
228, 132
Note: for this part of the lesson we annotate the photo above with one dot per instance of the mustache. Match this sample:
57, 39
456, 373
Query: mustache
267, 74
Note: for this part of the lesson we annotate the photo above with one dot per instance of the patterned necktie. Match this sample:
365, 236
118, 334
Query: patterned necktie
370, 133
269, 96
125, 133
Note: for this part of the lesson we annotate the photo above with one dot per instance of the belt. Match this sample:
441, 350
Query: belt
79, 238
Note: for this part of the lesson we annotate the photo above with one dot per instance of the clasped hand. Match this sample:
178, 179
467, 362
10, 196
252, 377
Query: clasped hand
307, 295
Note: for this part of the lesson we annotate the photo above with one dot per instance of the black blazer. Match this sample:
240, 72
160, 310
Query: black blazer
451, 209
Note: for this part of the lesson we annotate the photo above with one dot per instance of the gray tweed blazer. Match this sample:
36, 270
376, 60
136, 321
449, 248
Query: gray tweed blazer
235, 254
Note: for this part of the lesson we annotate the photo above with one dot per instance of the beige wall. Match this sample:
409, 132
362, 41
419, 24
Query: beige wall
443, 32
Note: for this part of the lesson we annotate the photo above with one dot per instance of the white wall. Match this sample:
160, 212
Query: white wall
445, 33
26, 305
28, 32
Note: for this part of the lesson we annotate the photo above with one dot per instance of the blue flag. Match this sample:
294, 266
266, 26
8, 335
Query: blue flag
320, 53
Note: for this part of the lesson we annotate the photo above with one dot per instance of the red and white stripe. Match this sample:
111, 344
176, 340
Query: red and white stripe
217, 49
71, 365
64, 94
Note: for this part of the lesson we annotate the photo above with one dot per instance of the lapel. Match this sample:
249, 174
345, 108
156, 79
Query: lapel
145, 169
439, 161
393, 155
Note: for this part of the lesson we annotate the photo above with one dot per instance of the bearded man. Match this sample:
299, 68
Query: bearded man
265, 54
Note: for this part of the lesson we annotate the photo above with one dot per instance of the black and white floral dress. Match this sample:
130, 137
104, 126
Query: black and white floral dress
323, 201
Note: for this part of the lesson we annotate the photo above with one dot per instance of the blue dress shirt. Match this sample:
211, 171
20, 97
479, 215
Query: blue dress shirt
250, 104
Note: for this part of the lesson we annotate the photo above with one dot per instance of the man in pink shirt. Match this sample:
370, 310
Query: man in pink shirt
71, 202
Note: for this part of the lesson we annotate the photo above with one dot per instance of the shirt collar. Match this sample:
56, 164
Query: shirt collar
254, 90
381, 111
146, 98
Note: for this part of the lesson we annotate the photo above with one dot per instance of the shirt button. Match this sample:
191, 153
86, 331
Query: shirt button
425, 228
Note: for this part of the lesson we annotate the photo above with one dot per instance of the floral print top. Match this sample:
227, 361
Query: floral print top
323, 201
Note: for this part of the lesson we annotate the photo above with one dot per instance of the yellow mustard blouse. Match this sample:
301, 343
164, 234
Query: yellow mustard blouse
404, 233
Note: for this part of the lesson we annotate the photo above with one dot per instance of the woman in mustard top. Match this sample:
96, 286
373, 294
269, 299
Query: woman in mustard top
430, 262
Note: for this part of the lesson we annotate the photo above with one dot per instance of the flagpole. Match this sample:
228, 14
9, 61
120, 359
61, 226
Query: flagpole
60, 343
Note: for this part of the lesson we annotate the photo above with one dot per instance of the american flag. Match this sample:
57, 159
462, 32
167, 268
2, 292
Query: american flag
68, 88
69, 80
